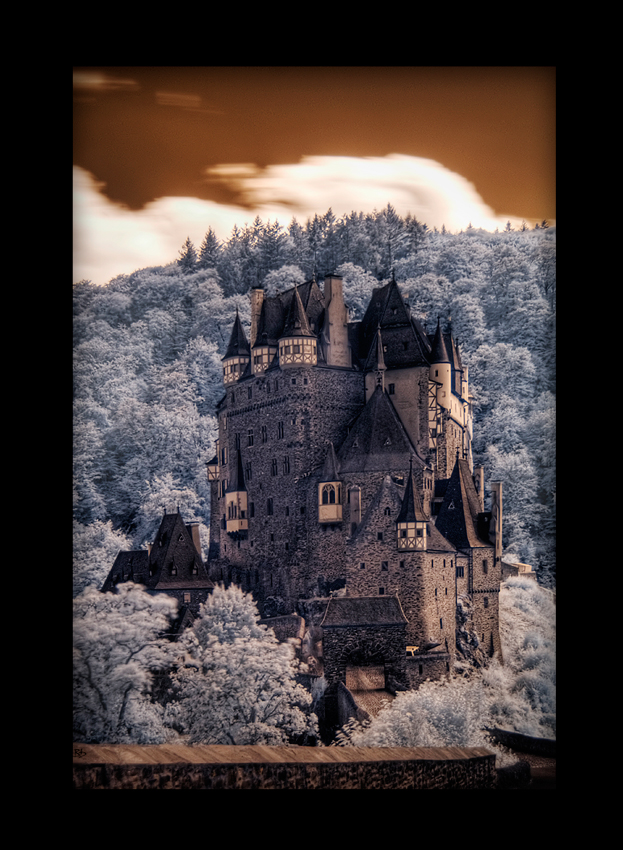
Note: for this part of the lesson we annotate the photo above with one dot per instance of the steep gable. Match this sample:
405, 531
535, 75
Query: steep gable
457, 520
377, 441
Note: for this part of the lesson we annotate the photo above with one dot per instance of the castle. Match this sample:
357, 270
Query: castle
343, 492
344, 473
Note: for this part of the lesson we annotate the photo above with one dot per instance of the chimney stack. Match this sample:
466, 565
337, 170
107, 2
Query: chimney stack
257, 299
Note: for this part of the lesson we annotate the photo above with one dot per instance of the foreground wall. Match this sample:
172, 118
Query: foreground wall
261, 767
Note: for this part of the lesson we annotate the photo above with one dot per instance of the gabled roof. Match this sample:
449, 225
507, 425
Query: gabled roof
457, 520
238, 343
377, 441
363, 611
387, 495
172, 548
128, 566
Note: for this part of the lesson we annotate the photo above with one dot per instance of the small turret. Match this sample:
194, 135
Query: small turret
441, 369
236, 507
411, 521
297, 344
330, 490
237, 355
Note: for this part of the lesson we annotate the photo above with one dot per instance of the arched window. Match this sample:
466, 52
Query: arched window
328, 494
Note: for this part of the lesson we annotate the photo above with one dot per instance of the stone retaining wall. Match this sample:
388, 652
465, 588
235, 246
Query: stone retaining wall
261, 767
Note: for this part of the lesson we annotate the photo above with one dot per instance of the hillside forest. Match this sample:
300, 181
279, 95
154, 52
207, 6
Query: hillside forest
148, 374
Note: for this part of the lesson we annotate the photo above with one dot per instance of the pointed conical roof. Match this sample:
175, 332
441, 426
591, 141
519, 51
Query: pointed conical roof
331, 467
411, 509
458, 515
297, 323
236, 482
439, 353
238, 343
376, 356
377, 441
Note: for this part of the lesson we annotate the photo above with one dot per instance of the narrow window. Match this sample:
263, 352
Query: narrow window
251, 510
379, 535
441, 623
286, 465
486, 601
250, 437
280, 430
269, 507
250, 392
264, 434
384, 566
388, 511
381, 591
485, 566
274, 467
392, 389
187, 599
362, 565
248, 471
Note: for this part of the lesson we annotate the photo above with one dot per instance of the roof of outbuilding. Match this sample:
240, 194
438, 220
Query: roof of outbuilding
363, 611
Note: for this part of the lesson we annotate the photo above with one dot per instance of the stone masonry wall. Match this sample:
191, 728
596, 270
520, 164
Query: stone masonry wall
305, 768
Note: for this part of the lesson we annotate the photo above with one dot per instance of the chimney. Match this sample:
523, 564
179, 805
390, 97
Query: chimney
193, 530
257, 299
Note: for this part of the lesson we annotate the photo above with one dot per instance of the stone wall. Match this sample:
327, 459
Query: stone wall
129, 767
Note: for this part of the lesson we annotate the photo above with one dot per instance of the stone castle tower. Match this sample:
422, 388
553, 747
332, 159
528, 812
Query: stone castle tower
344, 472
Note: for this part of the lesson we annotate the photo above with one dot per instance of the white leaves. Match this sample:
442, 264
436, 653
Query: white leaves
237, 684
118, 646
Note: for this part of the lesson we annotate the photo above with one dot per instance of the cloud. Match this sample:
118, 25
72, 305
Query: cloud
110, 239
98, 81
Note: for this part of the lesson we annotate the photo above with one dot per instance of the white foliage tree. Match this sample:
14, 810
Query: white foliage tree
118, 647
237, 684
95, 547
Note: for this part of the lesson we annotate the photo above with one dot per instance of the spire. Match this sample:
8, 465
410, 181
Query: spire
236, 482
238, 344
411, 510
331, 466
297, 323
439, 353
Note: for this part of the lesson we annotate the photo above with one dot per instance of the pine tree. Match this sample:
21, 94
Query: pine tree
188, 257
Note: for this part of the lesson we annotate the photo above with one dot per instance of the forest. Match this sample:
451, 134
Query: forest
147, 364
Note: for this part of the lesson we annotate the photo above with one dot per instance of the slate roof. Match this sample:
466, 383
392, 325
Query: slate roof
172, 548
363, 611
377, 441
457, 519
281, 312
405, 342
236, 481
411, 509
330, 470
297, 323
238, 343
439, 353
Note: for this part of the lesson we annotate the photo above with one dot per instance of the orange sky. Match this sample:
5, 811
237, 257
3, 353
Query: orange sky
149, 133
